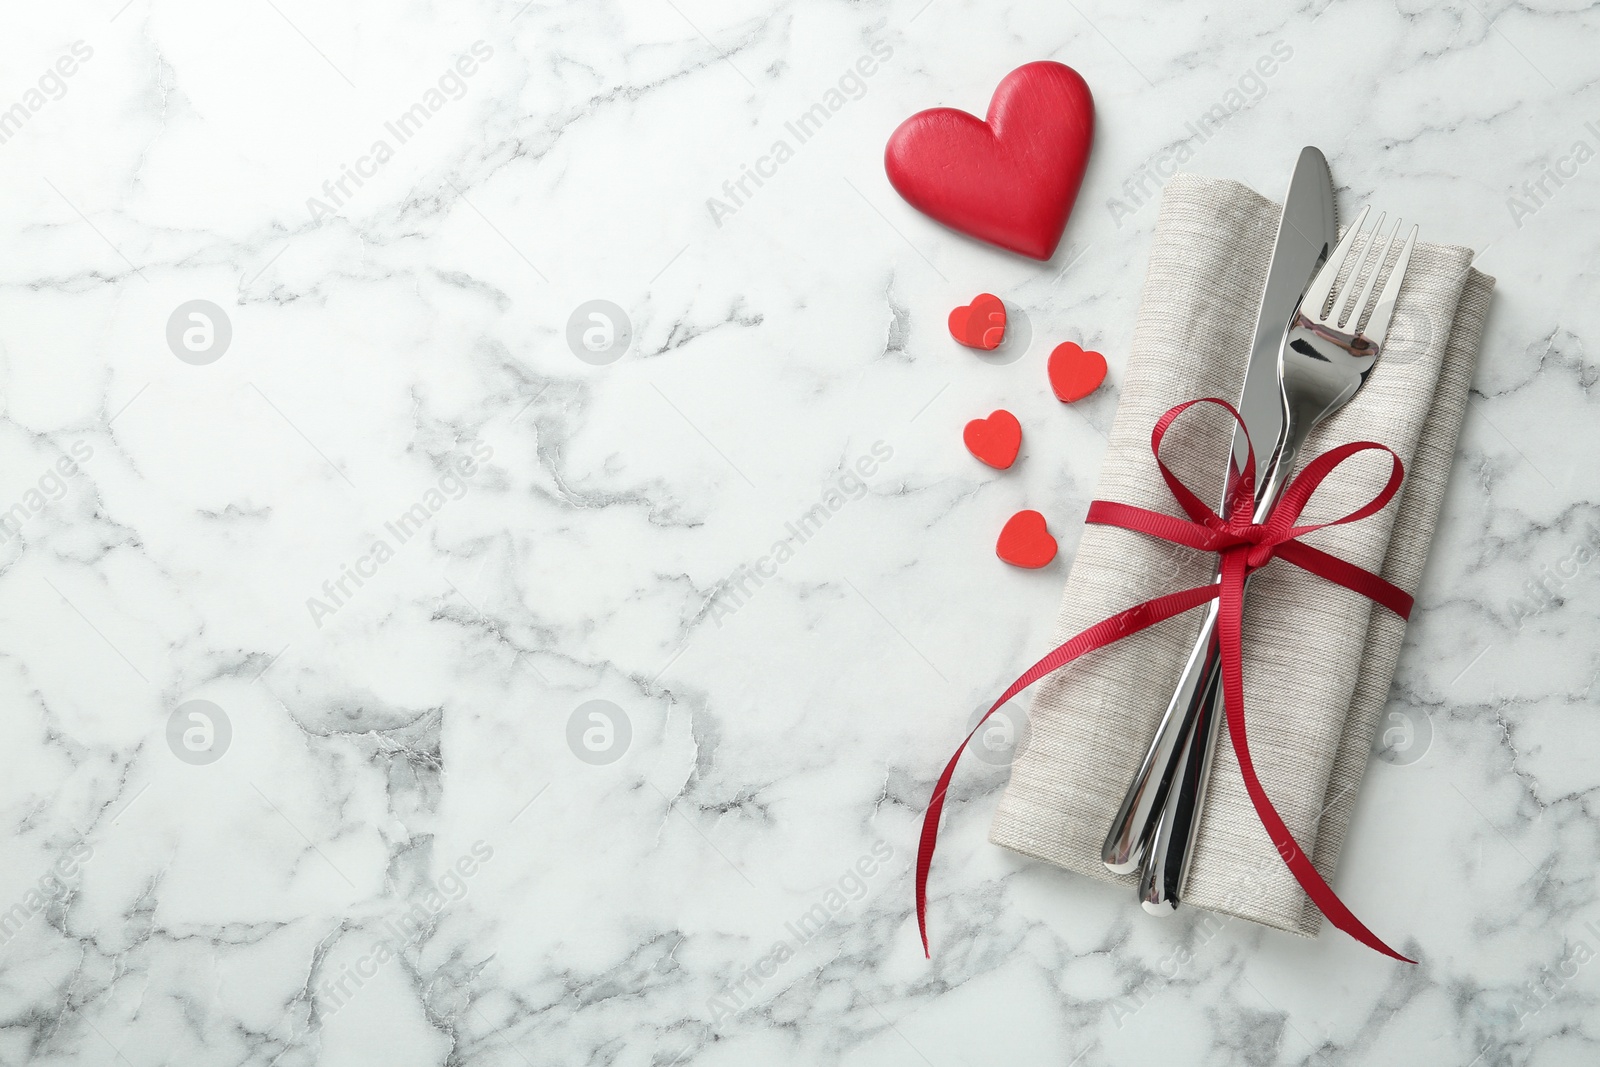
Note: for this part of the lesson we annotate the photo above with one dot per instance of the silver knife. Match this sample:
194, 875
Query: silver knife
1306, 234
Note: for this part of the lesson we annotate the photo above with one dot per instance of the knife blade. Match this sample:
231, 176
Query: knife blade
1305, 236
1307, 233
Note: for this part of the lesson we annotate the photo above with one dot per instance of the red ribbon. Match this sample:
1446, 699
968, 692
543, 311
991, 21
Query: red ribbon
1244, 546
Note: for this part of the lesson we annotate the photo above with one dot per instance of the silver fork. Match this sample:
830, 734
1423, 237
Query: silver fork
1326, 357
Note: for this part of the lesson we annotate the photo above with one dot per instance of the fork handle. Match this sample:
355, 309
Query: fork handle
1166, 869
1128, 839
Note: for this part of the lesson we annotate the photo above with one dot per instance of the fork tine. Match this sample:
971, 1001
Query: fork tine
1378, 324
1383, 257
1322, 286
1336, 316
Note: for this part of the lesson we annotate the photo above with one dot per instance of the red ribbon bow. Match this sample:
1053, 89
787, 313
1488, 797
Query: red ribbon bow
1244, 546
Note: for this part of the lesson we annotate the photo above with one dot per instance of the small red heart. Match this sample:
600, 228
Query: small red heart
1025, 541
1075, 373
995, 440
980, 324
1009, 179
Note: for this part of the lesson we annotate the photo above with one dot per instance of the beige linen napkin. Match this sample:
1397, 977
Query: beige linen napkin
1318, 658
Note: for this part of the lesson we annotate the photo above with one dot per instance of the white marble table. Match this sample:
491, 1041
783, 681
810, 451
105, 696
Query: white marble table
372, 510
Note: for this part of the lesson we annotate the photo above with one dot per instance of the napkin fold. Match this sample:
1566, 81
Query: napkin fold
1318, 659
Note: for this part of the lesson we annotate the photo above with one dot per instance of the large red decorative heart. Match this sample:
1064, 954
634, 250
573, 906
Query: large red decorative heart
995, 440
1025, 541
1010, 180
1075, 373
980, 324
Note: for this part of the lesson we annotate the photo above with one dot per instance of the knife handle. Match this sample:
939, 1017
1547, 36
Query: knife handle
1166, 865
1128, 839
1166, 868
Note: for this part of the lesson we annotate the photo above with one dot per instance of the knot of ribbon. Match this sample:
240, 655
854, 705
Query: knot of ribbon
1243, 546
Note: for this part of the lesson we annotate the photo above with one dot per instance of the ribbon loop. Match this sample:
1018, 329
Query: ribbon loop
1243, 546
1244, 502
